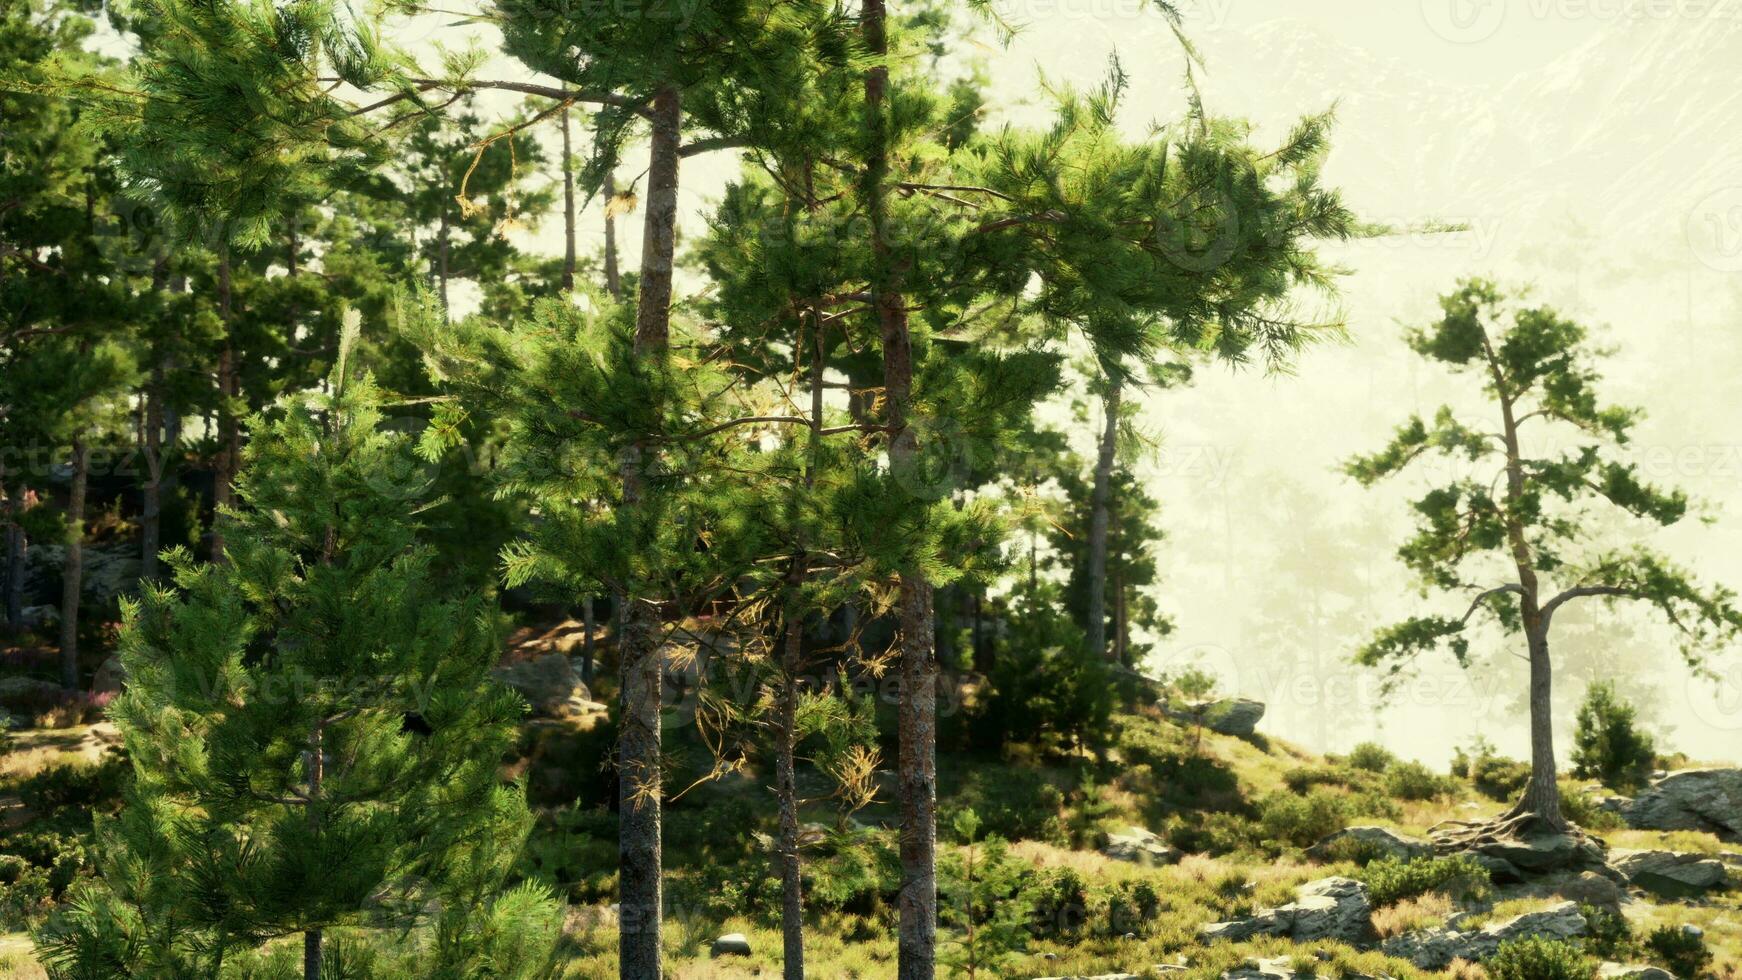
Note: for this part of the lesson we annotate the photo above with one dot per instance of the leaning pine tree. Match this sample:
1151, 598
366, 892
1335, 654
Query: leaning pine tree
315, 742
1521, 540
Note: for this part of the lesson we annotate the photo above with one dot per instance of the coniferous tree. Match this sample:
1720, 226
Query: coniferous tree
314, 738
1523, 539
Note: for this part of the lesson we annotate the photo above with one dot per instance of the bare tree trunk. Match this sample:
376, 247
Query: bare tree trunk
14, 558
311, 940
151, 494
1097, 625
1121, 625
1542, 795
229, 430
917, 712
639, 789
786, 792
568, 207
443, 244
72, 571
613, 278
587, 621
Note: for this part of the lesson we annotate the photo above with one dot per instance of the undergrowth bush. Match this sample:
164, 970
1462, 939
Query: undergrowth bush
1390, 880
1536, 958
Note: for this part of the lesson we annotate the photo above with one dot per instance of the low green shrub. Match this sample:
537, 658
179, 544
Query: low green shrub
1059, 900
1372, 757
1493, 775
1535, 958
1301, 820
1132, 906
1390, 880
1581, 808
1015, 804
1683, 953
1414, 781
1609, 744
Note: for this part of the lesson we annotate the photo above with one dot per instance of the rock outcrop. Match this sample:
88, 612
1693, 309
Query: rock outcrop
1140, 846
1369, 842
1330, 908
1669, 873
1632, 971
1434, 949
1228, 716
550, 684
1708, 800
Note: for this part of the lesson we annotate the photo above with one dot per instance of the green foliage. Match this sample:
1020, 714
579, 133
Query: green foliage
1371, 756
1684, 953
1580, 806
1014, 804
1301, 820
982, 902
313, 735
1536, 958
1059, 898
1608, 743
1390, 880
1411, 780
1534, 480
1493, 775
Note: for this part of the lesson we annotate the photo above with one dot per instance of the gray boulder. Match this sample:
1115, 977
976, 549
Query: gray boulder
1229, 716
1140, 846
1380, 841
1542, 853
1632, 971
550, 684
1330, 908
731, 944
1708, 800
1434, 949
1669, 873
1280, 968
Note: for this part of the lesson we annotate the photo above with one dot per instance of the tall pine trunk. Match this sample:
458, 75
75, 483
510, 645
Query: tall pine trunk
73, 570
786, 793
1097, 626
229, 428
917, 712
151, 494
639, 789
14, 557
568, 207
1542, 795
312, 952
786, 705
444, 237
613, 278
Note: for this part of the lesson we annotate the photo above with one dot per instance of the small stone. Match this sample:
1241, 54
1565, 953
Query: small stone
1693, 932
1632, 971
1140, 846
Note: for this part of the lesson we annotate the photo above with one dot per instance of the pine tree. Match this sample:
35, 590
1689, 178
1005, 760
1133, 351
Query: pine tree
1536, 512
314, 738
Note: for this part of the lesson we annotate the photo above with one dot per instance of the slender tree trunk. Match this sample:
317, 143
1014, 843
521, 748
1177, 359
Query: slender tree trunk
1542, 795
443, 242
613, 278
1121, 626
568, 207
311, 940
1097, 625
1542, 798
587, 621
151, 494
229, 430
639, 790
786, 705
786, 792
72, 571
917, 713
14, 557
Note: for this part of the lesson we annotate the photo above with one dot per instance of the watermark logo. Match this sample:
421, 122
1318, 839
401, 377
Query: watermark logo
1714, 229
1464, 21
